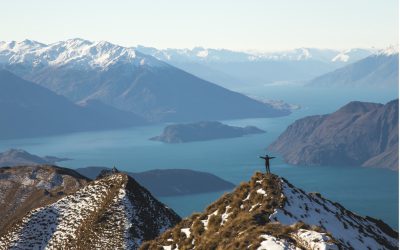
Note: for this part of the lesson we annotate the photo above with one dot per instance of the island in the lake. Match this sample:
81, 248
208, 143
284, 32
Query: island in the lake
168, 182
203, 131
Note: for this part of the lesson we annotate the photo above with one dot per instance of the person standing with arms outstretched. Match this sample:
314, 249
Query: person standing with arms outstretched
267, 158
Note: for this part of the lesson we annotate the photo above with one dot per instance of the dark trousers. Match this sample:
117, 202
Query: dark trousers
267, 168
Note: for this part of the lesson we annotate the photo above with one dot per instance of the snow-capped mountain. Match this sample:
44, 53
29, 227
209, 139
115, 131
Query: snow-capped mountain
73, 53
238, 69
270, 213
200, 54
113, 212
128, 80
389, 51
379, 69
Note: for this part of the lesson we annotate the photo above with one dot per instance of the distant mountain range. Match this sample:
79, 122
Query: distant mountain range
223, 55
358, 134
269, 213
233, 69
380, 69
127, 80
114, 212
203, 131
28, 109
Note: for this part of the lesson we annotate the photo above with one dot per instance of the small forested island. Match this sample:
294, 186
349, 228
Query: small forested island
203, 131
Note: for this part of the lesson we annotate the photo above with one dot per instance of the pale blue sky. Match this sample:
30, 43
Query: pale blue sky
232, 24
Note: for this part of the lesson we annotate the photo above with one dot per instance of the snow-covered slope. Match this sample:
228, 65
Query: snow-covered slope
24, 188
378, 69
270, 213
113, 212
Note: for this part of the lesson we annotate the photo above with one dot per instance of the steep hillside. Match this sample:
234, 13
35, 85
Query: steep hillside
25, 188
381, 69
128, 80
270, 213
114, 212
358, 134
30, 110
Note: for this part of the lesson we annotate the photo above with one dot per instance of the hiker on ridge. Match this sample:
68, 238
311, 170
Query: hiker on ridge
267, 158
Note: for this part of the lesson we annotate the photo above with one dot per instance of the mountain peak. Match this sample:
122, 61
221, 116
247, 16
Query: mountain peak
76, 53
357, 106
390, 50
270, 213
112, 212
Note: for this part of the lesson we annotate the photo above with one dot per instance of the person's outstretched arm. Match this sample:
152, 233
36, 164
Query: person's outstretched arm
271, 157
262, 157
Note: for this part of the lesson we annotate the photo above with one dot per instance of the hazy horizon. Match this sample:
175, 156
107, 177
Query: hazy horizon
239, 26
214, 48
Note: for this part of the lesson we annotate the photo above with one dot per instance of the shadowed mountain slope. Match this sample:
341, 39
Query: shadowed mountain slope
358, 134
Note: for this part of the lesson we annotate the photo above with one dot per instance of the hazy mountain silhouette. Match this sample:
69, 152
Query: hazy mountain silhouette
28, 109
234, 69
381, 69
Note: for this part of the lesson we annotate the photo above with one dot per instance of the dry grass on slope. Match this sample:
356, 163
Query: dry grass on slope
235, 221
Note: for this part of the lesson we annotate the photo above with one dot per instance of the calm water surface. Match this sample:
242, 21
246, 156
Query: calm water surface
366, 191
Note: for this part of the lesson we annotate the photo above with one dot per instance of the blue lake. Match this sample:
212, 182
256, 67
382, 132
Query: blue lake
367, 191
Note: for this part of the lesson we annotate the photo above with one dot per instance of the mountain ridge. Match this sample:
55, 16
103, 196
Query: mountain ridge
112, 212
378, 69
270, 213
127, 80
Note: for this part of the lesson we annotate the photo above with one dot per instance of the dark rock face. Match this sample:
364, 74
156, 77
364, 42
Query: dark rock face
359, 134
30, 110
203, 131
169, 182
